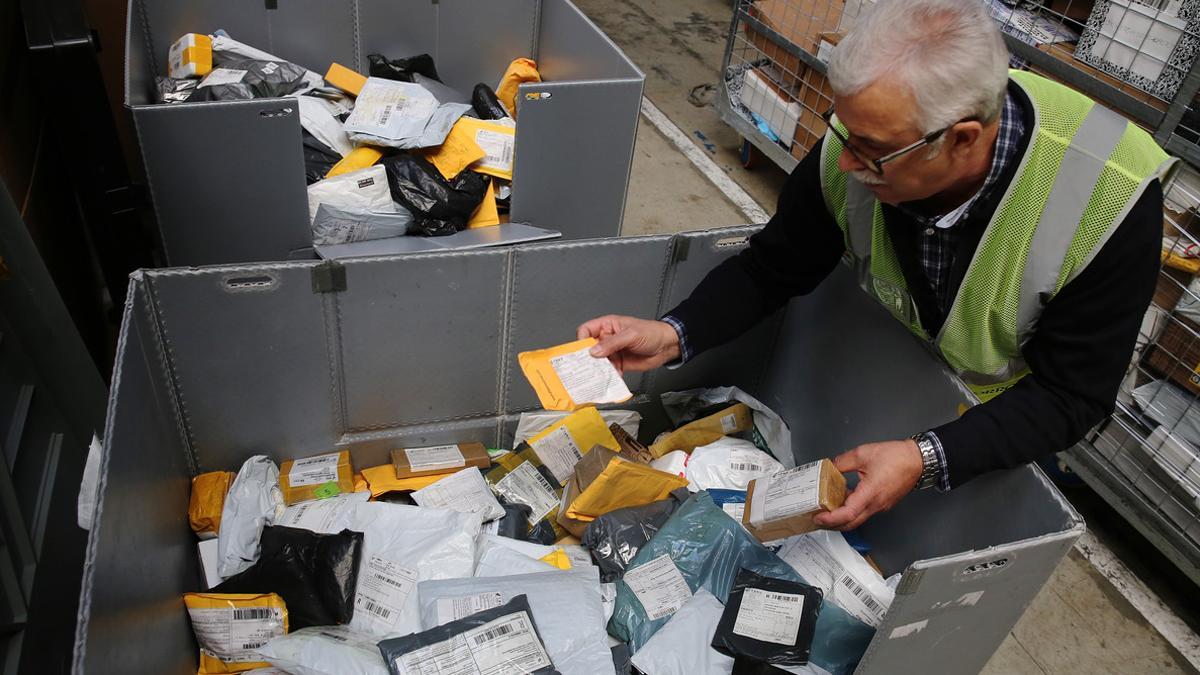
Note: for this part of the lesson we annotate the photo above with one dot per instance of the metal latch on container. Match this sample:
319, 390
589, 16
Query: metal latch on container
329, 277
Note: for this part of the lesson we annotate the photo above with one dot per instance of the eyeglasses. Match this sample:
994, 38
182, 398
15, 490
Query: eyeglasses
875, 165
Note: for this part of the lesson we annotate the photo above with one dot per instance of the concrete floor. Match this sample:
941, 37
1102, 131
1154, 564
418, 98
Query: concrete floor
1078, 623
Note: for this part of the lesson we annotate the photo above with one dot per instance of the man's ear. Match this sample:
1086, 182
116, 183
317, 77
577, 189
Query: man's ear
962, 137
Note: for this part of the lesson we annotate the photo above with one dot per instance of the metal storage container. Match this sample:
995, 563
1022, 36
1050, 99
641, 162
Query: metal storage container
227, 178
285, 359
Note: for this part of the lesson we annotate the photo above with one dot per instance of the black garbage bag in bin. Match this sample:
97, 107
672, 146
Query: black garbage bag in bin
240, 80
440, 207
402, 69
315, 574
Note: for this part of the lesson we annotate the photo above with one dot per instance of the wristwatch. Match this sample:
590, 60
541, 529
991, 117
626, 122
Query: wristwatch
930, 466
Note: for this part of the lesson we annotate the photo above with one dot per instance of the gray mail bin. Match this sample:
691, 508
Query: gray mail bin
227, 178
289, 359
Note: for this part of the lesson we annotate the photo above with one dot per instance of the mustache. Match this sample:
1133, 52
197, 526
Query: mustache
867, 178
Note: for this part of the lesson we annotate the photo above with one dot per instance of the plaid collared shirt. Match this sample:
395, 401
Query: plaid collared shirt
940, 234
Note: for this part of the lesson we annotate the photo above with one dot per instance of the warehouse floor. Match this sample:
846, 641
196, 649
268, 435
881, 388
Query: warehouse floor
1080, 622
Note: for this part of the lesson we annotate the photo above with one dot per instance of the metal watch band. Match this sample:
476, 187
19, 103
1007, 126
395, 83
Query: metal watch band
929, 461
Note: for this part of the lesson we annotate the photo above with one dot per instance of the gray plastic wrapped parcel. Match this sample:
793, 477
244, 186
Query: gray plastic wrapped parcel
293, 359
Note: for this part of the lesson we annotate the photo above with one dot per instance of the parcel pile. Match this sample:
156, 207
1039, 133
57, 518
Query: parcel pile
390, 154
579, 551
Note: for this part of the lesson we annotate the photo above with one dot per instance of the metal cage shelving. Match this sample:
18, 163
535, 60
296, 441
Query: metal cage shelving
1139, 57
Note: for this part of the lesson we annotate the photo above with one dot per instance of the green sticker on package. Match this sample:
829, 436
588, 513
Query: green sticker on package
327, 490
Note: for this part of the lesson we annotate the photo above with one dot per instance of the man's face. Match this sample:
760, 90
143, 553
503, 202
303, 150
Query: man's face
880, 120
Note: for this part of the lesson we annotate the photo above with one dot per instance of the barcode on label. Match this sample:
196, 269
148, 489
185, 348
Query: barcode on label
861, 593
252, 645
386, 580
251, 614
784, 597
377, 610
492, 634
386, 114
744, 466
542, 481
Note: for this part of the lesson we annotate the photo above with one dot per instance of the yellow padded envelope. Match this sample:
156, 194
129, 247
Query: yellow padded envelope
207, 502
623, 484
567, 377
382, 480
257, 618
561, 445
519, 71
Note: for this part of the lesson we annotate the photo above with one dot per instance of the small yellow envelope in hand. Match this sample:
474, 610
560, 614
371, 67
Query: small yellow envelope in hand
567, 377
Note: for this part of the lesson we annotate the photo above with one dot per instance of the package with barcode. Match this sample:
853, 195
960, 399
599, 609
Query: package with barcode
241, 80
502, 639
402, 115
403, 545
253, 501
728, 464
568, 377
439, 459
319, 477
766, 429
362, 191
768, 620
529, 424
784, 504
520, 477
615, 537
708, 549
231, 627
325, 650
567, 605
464, 491
828, 562
730, 419
315, 574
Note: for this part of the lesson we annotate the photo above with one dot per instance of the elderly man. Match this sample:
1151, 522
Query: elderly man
1010, 221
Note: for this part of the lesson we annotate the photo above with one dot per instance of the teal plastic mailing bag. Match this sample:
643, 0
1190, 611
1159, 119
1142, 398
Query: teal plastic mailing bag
708, 547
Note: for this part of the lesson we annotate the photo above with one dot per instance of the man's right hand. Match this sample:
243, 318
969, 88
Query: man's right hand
632, 344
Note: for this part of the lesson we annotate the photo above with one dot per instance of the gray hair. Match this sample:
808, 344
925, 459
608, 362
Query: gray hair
948, 52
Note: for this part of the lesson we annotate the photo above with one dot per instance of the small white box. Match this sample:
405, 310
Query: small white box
782, 115
208, 562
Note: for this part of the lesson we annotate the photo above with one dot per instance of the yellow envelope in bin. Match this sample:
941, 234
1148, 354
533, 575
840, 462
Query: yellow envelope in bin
486, 214
567, 377
562, 444
457, 152
382, 480
623, 484
498, 142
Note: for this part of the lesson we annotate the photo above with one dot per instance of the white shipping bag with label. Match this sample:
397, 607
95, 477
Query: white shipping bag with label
324, 516
684, 645
464, 491
403, 545
254, 501
768, 427
325, 650
401, 115
334, 225
826, 561
363, 190
532, 423
729, 464
567, 607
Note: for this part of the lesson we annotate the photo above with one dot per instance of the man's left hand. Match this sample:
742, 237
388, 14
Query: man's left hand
886, 471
